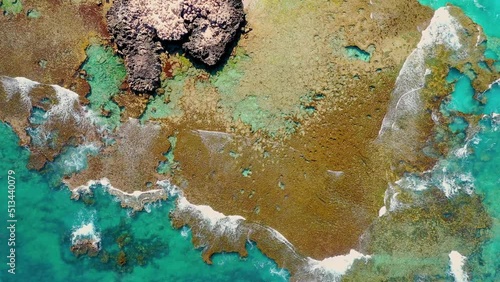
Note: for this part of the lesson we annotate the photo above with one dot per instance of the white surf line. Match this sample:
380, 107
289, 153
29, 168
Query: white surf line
457, 262
336, 266
113, 191
209, 215
135, 194
218, 222
86, 188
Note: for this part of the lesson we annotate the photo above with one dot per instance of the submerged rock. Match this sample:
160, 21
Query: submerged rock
138, 27
85, 247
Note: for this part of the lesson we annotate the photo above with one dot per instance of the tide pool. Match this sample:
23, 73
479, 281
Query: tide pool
151, 248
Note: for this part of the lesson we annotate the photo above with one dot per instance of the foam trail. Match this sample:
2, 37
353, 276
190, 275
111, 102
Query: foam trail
443, 29
86, 188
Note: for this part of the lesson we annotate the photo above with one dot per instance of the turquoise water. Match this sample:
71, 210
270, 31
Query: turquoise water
354, 52
484, 160
154, 250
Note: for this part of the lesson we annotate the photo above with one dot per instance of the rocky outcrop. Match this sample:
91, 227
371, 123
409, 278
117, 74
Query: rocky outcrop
214, 24
135, 40
204, 27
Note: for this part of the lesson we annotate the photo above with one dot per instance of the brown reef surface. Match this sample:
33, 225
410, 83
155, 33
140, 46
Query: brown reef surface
320, 186
49, 49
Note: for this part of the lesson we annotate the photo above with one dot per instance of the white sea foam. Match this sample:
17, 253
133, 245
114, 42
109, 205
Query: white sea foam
492, 84
107, 184
457, 262
76, 161
20, 85
462, 152
390, 199
413, 182
135, 194
336, 267
443, 29
85, 231
185, 231
452, 183
443, 175
65, 108
86, 188
477, 4
171, 189
279, 272
214, 219
395, 204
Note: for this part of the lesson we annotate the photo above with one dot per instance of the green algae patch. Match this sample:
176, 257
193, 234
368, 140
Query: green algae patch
227, 79
105, 73
11, 7
250, 112
167, 104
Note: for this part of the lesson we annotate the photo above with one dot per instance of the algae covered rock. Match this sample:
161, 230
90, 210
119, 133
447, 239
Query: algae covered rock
204, 27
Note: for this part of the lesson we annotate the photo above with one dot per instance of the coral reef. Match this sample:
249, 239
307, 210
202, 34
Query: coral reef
136, 25
128, 167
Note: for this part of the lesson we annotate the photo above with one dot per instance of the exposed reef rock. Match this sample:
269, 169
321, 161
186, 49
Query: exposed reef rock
135, 200
214, 24
134, 38
127, 166
137, 26
85, 240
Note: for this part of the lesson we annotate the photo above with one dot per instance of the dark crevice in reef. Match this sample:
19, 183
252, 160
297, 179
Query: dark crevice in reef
206, 30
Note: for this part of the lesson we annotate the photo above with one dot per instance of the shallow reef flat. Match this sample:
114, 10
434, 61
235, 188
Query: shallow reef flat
334, 135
